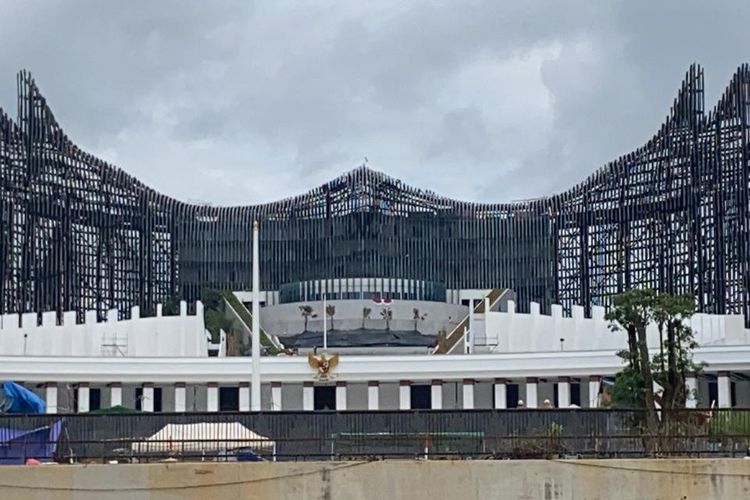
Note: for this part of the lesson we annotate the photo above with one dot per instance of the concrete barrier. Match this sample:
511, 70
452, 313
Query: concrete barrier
413, 480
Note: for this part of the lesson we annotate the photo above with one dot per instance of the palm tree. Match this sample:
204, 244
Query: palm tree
387, 315
331, 312
307, 313
365, 315
418, 317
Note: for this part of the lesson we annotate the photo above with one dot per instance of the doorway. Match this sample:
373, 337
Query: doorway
325, 397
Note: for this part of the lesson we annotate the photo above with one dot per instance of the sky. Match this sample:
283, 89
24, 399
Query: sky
241, 102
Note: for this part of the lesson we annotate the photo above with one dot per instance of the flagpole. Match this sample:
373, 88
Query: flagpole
255, 385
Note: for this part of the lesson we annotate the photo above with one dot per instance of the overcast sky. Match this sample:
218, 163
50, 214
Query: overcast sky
246, 102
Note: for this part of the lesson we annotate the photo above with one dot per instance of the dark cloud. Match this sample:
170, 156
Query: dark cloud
241, 102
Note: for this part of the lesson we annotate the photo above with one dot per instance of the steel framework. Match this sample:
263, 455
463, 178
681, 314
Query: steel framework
77, 233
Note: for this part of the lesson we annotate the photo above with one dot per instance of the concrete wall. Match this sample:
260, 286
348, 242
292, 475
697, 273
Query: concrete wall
413, 480
179, 336
285, 319
534, 332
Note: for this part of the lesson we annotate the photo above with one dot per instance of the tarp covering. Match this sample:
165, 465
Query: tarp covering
202, 437
22, 400
16, 446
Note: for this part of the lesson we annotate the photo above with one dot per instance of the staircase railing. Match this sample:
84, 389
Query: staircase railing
451, 340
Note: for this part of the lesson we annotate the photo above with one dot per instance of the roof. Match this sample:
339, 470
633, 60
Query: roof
363, 337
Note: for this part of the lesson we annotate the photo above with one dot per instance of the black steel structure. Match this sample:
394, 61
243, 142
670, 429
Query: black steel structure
77, 233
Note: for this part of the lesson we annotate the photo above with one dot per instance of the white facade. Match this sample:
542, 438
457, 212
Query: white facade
166, 368
160, 336
534, 332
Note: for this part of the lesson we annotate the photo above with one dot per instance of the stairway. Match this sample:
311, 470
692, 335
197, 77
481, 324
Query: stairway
244, 317
456, 335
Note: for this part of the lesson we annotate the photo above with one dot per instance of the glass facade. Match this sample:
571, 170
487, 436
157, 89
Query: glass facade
362, 288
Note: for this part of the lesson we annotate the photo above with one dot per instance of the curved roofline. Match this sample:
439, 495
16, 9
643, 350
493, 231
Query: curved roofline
687, 107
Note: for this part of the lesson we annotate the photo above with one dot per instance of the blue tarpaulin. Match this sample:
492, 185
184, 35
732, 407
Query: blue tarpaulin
17, 446
22, 400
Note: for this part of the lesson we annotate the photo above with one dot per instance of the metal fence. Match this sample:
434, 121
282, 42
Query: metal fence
351, 435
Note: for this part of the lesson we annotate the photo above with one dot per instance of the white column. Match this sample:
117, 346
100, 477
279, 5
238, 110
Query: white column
115, 394
436, 395
50, 396
83, 398
531, 392
404, 395
244, 396
595, 382
373, 395
468, 393
212, 397
563, 392
255, 376
341, 395
276, 396
501, 395
691, 385
469, 337
724, 390
308, 396
147, 397
180, 399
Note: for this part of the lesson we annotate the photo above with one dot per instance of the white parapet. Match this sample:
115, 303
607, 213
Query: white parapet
512, 331
159, 336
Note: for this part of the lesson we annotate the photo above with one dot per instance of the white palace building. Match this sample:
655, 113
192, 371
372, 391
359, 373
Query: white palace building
497, 357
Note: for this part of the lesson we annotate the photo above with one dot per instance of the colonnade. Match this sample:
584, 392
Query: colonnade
531, 392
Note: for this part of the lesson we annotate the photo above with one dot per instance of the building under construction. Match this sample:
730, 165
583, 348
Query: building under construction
79, 234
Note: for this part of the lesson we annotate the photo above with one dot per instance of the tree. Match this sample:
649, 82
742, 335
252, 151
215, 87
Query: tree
387, 315
633, 311
417, 317
307, 313
674, 361
213, 312
171, 306
331, 312
365, 315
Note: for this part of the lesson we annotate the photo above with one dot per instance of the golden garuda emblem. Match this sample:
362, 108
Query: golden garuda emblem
323, 365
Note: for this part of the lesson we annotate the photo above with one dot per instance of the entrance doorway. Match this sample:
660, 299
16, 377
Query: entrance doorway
421, 397
325, 397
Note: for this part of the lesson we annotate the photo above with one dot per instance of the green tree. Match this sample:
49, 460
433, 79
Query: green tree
213, 312
171, 306
633, 311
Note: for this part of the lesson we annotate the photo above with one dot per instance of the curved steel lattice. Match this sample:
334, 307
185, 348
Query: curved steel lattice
78, 233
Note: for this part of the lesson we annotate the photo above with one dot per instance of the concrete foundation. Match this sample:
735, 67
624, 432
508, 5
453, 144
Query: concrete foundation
413, 480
